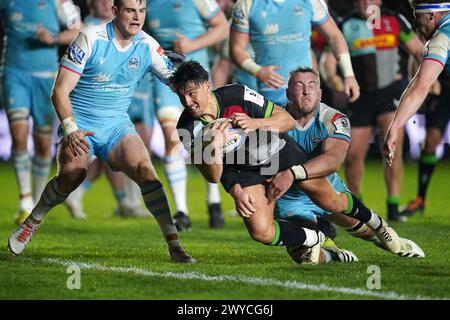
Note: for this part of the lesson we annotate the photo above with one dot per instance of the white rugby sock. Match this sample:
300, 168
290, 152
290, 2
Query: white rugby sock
22, 169
176, 173
311, 237
40, 169
213, 193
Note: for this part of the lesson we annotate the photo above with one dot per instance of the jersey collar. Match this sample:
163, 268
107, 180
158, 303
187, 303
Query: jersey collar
203, 120
112, 37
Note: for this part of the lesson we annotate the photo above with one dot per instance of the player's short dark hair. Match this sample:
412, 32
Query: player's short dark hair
303, 69
118, 3
189, 71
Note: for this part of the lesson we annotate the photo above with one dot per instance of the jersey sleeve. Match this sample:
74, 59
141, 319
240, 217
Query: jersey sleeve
255, 105
161, 66
337, 124
77, 54
207, 9
406, 30
320, 12
240, 15
437, 48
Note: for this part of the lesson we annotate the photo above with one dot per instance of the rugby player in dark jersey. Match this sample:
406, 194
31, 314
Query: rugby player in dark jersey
245, 179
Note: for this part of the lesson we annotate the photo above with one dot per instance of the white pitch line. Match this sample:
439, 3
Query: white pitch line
267, 282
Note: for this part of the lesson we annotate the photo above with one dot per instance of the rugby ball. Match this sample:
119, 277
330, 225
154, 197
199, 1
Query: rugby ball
235, 137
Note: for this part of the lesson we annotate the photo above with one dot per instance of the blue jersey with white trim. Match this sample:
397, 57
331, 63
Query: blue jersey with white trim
438, 48
279, 30
326, 123
22, 48
109, 74
166, 18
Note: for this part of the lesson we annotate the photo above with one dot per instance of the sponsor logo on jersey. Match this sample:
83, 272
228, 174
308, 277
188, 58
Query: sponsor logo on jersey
298, 11
238, 15
160, 51
342, 124
41, 5
176, 6
271, 28
426, 50
75, 53
379, 41
253, 96
102, 34
133, 63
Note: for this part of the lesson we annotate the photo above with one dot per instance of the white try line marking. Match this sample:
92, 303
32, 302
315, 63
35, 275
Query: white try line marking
266, 282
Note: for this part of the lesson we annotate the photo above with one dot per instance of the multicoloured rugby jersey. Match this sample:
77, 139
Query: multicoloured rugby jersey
374, 47
259, 150
166, 18
229, 99
110, 73
327, 123
280, 33
22, 48
438, 48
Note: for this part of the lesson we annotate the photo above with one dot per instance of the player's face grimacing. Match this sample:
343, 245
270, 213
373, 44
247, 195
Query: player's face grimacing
304, 91
195, 98
130, 17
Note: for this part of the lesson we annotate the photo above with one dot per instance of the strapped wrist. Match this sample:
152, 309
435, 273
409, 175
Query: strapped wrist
299, 172
345, 63
250, 66
69, 125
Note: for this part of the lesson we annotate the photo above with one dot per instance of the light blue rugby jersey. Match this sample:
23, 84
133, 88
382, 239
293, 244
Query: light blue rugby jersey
279, 30
326, 123
190, 18
438, 48
109, 73
22, 49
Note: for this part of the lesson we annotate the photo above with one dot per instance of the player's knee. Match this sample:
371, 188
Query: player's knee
352, 158
145, 173
71, 177
262, 234
336, 203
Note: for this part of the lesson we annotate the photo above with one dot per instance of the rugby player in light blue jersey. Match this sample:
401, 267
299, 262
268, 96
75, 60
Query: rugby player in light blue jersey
324, 134
92, 93
433, 20
30, 61
280, 32
126, 191
188, 27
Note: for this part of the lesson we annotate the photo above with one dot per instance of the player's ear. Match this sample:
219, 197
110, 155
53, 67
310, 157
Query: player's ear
208, 85
115, 11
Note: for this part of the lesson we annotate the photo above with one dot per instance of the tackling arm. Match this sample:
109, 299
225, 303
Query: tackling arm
329, 161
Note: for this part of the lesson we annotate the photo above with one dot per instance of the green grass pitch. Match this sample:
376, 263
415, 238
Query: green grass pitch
127, 258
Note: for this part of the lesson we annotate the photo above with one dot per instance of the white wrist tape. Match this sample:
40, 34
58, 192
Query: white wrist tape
345, 63
250, 66
69, 125
299, 172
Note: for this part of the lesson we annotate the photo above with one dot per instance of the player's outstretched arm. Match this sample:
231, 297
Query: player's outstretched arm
338, 45
280, 120
410, 102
